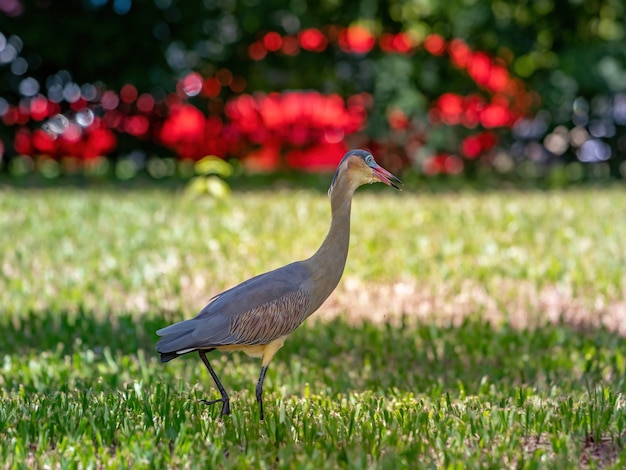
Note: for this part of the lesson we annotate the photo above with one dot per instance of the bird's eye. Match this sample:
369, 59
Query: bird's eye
369, 160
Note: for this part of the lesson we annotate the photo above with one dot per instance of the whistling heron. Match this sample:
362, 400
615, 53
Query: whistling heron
259, 314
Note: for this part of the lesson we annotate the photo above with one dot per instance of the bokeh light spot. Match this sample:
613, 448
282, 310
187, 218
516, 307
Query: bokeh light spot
29, 87
291, 46
356, 39
85, 117
272, 41
224, 76
238, 84
39, 108
312, 39
257, 51
145, 103
211, 87
128, 93
557, 141
110, 100
192, 84
594, 150
435, 44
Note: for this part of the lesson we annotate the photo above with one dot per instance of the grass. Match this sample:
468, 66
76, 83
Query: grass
457, 382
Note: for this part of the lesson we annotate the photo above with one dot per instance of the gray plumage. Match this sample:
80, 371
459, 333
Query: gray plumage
256, 311
257, 315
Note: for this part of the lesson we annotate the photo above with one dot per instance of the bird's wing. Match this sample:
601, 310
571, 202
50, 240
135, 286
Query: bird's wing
256, 311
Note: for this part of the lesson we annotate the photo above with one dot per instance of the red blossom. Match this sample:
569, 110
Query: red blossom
43, 142
39, 108
22, 113
100, 141
10, 116
211, 87
473, 106
291, 46
400, 43
79, 104
435, 44
128, 93
495, 115
110, 100
356, 39
257, 51
479, 68
183, 130
322, 157
272, 41
472, 146
71, 141
22, 142
145, 103
397, 119
451, 107
488, 140
137, 125
312, 39
460, 53
498, 79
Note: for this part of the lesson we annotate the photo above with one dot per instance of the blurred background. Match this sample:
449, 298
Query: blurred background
523, 91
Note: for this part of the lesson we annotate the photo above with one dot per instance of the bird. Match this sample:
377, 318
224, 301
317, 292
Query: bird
258, 315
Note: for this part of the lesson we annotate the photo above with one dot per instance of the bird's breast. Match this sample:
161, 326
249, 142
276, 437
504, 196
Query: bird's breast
255, 350
266, 351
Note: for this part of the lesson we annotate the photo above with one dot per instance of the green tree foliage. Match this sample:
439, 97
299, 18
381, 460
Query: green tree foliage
572, 53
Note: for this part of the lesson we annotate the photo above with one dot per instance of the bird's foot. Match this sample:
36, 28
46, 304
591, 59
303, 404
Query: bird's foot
225, 404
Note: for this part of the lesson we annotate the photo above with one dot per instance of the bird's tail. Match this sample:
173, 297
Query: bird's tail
168, 356
175, 339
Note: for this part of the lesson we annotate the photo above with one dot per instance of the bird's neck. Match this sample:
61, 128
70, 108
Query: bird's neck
328, 262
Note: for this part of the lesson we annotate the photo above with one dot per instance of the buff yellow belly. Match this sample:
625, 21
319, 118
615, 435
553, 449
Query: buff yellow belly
266, 351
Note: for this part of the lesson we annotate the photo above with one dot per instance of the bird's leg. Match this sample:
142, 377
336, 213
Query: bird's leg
224, 400
259, 391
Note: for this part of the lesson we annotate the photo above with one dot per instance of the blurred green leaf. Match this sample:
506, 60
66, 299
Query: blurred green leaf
212, 165
211, 185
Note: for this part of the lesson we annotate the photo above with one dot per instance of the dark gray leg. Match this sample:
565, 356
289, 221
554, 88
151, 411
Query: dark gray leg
224, 400
259, 391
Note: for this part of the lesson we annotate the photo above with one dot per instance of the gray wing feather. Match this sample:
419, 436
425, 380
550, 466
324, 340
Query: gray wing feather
256, 311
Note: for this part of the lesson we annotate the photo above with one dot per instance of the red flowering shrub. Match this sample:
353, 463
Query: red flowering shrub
298, 129
293, 124
83, 142
500, 100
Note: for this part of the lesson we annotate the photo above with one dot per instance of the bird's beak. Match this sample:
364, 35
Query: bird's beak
386, 177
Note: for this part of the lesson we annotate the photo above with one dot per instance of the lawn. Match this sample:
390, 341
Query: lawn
471, 330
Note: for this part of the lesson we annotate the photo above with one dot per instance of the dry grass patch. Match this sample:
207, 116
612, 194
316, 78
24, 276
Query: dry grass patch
522, 304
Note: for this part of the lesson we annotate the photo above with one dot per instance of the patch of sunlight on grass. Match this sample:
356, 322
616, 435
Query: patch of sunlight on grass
149, 250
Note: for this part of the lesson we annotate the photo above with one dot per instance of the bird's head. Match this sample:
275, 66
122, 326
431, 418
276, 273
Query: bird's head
360, 168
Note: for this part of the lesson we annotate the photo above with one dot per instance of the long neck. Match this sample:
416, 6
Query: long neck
328, 262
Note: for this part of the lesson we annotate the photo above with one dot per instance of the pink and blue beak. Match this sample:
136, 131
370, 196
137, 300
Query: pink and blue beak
386, 177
